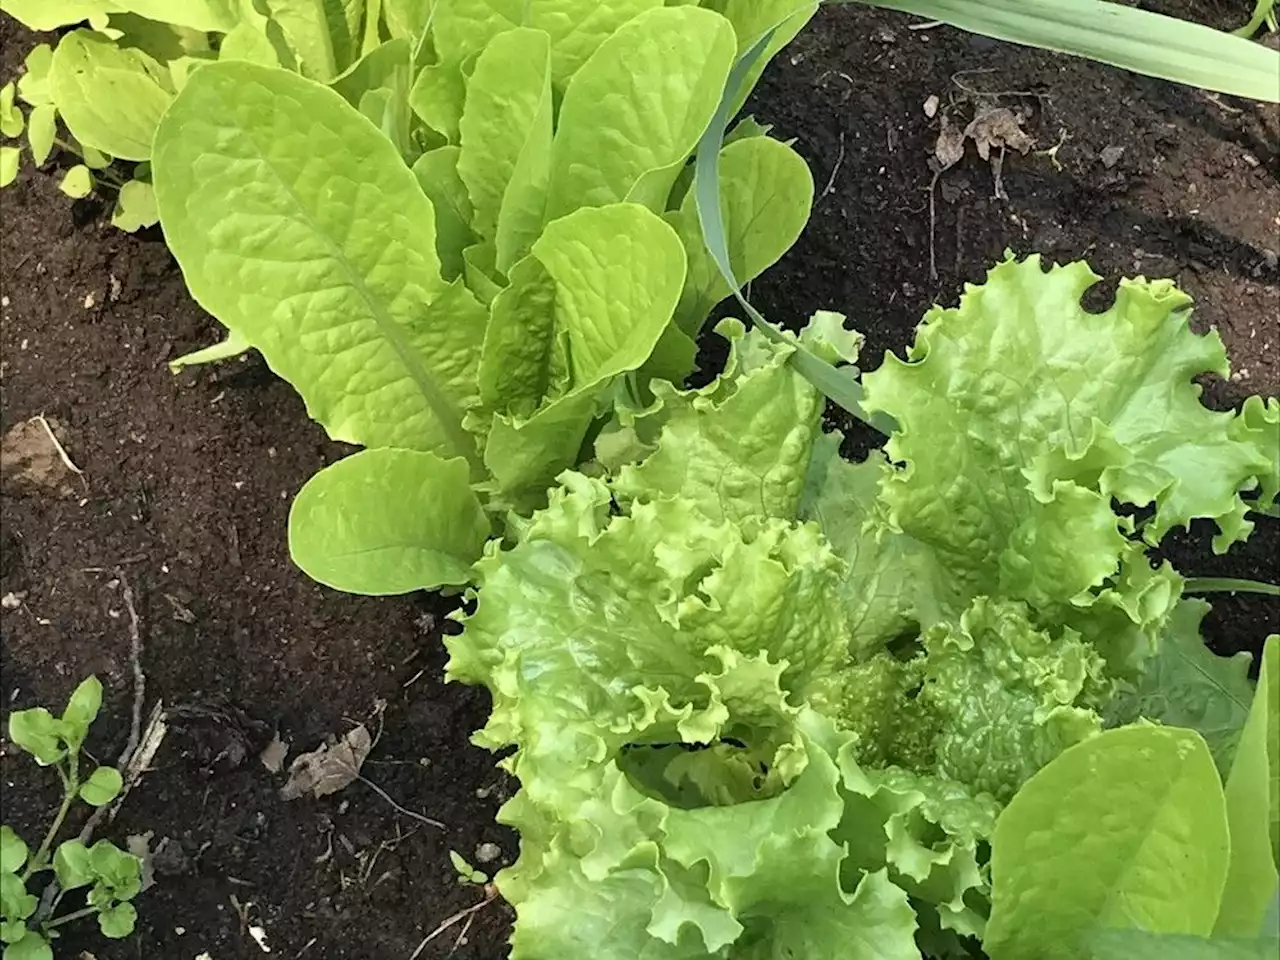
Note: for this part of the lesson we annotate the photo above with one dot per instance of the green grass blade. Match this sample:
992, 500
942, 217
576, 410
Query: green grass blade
1137, 40
838, 385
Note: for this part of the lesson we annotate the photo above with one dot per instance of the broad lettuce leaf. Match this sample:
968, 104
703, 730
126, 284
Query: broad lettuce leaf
766, 194
86, 64
588, 304
505, 135
388, 521
1128, 829
1252, 877
333, 277
634, 112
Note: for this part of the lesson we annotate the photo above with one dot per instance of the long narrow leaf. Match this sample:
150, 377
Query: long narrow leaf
838, 385
1137, 40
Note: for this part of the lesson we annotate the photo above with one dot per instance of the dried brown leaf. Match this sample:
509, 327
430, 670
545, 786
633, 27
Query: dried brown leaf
330, 768
998, 127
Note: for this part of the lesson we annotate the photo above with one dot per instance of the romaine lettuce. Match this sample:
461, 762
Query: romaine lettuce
463, 259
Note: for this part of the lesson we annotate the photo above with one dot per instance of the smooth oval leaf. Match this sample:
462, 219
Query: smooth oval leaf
31, 947
298, 225
118, 921
10, 159
11, 120
110, 97
13, 851
388, 521
83, 706
102, 787
766, 194
72, 865
78, 183
1128, 829
135, 207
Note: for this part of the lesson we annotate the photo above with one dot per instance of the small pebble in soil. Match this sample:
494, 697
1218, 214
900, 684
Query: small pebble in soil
488, 852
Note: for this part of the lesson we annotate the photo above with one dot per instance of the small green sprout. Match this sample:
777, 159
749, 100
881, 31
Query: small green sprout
466, 872
111, 876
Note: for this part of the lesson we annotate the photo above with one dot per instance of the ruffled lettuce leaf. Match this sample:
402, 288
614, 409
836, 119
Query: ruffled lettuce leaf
1022, 416
647, 665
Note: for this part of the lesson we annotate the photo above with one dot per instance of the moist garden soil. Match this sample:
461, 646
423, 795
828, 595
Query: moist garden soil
187, 479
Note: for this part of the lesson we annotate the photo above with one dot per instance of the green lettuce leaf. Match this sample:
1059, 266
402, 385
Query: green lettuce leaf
388, 521
334, 278
739, 447
1187, 685
1008, 697
588, 304
111, 98
634, 112
505, 130
766, 196
929, 832
1122, 420
1125, 830
1140, 945
576, 27
1252, 876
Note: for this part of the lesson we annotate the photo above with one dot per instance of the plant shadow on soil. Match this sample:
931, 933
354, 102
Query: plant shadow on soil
187, 479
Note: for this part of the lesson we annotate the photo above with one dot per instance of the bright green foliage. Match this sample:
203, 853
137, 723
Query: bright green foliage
1251, 805
1139, 945
1007, 698
1187, 685
458, 263
113, 876
1136, 819
748, 703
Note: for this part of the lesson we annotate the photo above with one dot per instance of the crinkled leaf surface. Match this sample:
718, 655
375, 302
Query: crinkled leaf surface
388, 521
633, 114
1188, 685
740, 447
298, 225
603, 638
1021, 415
766, 193
1128, 829
1009, 698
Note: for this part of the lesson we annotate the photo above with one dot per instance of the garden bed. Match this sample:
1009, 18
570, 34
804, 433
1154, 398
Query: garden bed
187, 480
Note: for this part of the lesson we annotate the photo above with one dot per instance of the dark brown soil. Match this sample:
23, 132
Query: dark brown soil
187, 480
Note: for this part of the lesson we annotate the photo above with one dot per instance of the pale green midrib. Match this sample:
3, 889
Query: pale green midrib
441, 407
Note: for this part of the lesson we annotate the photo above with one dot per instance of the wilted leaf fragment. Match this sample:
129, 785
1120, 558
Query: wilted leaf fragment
329, 768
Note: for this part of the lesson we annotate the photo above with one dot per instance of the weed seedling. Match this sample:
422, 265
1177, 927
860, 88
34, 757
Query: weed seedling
29, 918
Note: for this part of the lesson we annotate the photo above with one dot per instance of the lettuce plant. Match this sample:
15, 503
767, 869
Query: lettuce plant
461, 291
766, 702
